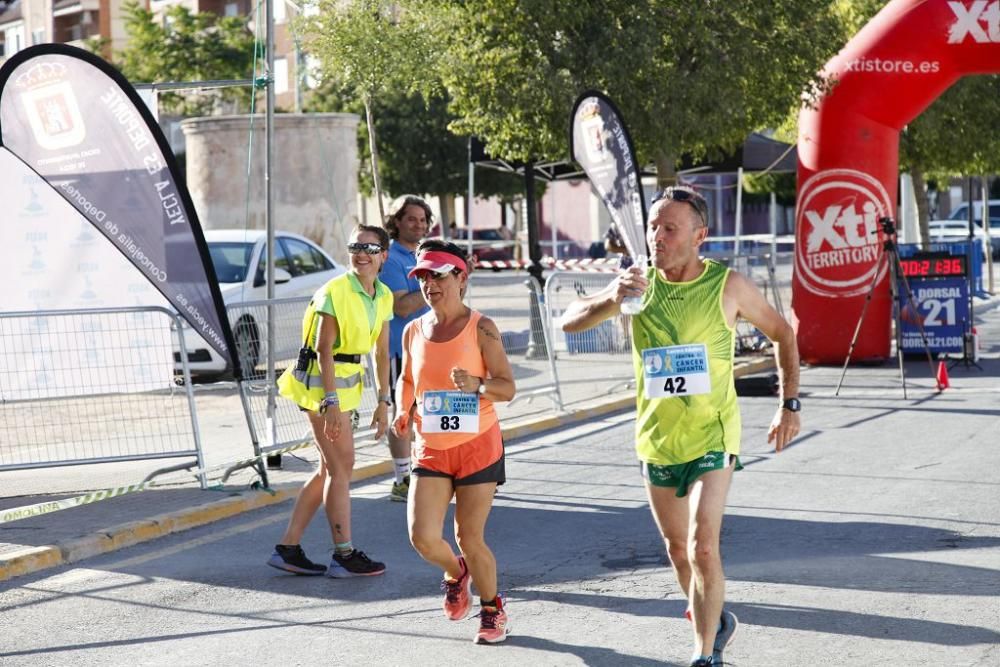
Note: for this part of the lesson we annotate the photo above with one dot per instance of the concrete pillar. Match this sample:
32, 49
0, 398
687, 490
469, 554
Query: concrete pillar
314, 174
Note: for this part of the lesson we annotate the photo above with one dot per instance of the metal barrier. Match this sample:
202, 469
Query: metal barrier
95, 386
529, 349
289, 427
596, 356
603, 354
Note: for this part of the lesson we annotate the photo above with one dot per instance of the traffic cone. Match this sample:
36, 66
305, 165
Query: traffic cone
942, 376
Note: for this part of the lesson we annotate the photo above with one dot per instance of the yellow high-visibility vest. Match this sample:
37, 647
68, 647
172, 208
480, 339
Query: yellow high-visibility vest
360, 318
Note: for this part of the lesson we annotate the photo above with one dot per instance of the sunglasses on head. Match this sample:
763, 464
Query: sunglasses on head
684, 195
367, 248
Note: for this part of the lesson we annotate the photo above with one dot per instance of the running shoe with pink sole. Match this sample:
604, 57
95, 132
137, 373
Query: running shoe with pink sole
458, 594
493, 624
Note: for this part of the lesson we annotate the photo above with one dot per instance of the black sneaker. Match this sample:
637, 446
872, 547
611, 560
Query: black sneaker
702, 662
291, 558
355, 564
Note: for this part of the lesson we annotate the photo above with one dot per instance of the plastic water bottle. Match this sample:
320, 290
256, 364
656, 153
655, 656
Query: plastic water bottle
632, 305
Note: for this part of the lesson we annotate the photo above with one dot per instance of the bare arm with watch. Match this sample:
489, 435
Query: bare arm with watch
499, 385
741, 298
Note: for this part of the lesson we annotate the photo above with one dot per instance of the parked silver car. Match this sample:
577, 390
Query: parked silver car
240, 261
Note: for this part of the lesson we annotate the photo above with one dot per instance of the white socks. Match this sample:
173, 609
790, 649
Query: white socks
402, 467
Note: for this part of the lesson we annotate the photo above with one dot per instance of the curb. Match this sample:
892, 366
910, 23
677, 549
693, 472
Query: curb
28, 560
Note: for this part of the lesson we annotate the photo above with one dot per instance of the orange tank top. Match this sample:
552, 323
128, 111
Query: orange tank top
430, 366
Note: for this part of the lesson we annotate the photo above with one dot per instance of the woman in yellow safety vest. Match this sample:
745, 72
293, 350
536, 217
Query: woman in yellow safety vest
346, 319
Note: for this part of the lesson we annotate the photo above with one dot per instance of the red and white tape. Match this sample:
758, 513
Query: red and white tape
587, 265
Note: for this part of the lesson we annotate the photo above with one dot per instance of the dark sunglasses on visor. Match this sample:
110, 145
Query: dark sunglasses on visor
684, 195
424, 276
367, 248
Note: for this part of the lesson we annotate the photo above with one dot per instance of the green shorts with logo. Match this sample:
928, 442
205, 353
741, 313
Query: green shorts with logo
683, 475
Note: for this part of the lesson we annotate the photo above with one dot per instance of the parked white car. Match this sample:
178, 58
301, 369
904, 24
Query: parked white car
240, 263
957, 231
956, 226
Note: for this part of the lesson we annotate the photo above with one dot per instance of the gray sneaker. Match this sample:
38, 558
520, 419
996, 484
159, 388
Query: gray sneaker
724, 636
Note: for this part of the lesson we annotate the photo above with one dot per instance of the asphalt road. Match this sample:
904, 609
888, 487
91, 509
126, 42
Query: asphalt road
874, 540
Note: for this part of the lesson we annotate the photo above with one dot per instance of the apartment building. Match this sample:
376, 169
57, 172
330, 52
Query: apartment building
24, 23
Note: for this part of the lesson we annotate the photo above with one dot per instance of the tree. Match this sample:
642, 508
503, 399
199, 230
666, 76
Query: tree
417, 153
689, 78
188, 47
956, 135
370, 47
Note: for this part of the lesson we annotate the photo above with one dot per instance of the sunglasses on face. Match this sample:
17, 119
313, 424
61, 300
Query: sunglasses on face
684, 195
367, 248
424, 276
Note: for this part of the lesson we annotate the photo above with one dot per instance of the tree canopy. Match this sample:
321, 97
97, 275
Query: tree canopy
688, 78
417, 152
188, 47
371, 47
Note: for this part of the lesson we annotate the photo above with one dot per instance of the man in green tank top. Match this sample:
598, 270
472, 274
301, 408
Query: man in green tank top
687, 419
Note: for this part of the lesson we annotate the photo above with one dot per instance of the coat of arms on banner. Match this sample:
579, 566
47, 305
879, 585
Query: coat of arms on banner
592, 126
54, 116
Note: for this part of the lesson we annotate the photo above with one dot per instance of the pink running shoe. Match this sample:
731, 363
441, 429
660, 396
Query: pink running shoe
458, 594
493, 624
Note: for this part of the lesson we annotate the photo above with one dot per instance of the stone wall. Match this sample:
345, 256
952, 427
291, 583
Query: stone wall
314, 174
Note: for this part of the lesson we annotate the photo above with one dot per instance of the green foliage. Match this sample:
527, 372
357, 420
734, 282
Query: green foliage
689, 77
758, 187
370, 46
188, 47
957, 134
417, 152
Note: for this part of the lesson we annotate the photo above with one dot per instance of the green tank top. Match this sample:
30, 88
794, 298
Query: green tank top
682, 350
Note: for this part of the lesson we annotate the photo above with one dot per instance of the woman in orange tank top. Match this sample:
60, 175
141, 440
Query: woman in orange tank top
454, 367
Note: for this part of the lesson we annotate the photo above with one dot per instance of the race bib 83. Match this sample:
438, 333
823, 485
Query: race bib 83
449, 412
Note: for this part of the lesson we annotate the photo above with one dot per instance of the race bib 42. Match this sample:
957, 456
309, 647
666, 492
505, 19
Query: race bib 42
678, 370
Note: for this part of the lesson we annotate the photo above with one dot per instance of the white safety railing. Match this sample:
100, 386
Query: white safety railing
516, 306
600, 357
95, 386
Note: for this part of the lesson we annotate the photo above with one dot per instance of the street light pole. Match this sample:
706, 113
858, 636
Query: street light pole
270, 424
536, 344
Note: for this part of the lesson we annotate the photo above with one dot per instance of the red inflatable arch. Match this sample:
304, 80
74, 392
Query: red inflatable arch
848, 149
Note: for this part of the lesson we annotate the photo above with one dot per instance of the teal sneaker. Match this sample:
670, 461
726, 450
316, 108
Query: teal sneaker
724, 637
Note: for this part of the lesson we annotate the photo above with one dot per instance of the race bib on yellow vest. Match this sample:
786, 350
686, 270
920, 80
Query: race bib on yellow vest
678, 370
449, 412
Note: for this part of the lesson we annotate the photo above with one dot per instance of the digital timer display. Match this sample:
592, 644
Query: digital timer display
933, 265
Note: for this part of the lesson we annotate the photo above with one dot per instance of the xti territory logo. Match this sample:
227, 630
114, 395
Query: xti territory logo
836, 232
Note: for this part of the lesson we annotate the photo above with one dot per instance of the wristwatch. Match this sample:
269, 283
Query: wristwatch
482, 386
791, 404
385, 399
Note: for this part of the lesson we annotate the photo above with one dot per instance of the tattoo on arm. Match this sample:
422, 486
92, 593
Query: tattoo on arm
485, 331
